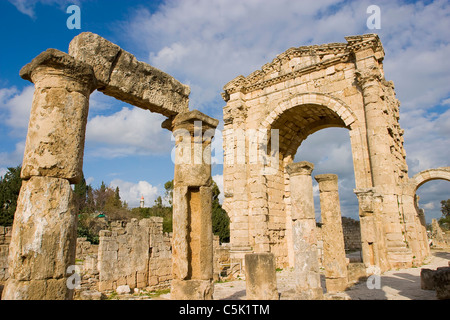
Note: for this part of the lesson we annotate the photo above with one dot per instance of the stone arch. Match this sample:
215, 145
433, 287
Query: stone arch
312, 98
420, 178
312, 112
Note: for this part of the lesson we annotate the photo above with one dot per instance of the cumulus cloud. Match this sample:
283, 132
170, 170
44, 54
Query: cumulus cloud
13, 158
15, 106
28, 7
130, 131
218, 179
132, 192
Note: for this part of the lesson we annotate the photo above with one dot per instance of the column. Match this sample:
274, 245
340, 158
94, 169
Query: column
372, 229
334, 262
192, 244
306, 263
371, 80
235, 180
45, 224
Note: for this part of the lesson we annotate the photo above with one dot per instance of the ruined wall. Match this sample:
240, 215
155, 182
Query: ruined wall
352, 234
5, 239
137, 254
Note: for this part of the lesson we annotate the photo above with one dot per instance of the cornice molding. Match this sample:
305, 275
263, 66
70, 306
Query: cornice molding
344, 52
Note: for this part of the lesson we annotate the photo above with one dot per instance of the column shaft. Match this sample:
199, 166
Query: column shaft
335, 262
306, 261
192, 244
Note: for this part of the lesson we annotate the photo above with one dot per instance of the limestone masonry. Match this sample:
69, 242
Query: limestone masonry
268, 197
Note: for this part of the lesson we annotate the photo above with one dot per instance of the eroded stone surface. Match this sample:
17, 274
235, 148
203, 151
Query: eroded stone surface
43, 241
123, 77
57, 126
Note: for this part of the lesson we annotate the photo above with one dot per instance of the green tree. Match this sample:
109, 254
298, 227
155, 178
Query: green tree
80, 194
220, 219
444, 221
169, 192
9, 192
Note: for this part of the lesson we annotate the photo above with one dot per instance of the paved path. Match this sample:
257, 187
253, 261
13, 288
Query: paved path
401, 284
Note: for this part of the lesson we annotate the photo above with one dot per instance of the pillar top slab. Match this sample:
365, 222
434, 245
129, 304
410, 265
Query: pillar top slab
327, 182
55, 59
186, 120
300, 168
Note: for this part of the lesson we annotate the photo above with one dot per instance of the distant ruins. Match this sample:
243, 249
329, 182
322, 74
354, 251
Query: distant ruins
267, 196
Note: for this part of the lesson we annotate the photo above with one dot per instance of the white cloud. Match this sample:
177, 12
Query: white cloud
17, 105
28, 7
131, 131
427, 139
132, 192
429, 205
3, 171
90, 180
13, 158
218, 179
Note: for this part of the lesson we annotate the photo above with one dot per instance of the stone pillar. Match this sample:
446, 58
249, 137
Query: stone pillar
306, 262
235, 180
372, 228
44, 231
260, 276
334, 262
377, 113
192, 244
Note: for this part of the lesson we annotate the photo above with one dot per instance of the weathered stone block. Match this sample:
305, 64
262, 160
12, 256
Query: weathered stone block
192, 289
122, 76
57, 126
427, 279
260, 276
43, 241
442, 283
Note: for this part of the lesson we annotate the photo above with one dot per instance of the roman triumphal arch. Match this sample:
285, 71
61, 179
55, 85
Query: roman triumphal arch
301, 91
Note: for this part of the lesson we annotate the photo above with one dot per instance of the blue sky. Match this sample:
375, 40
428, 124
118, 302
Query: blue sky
205, 44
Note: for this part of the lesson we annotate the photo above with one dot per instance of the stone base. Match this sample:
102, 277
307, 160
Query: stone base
309, 294
335, 285
43, 241
50, 289
192, 289
260, 276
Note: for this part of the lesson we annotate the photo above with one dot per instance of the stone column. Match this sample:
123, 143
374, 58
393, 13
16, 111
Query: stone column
192, 244
306, 262
370, 78
235, 180
45, 223
260, 276
335, 262
370, 217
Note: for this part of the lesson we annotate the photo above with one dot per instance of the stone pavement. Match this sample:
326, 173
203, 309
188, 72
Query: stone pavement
400, 284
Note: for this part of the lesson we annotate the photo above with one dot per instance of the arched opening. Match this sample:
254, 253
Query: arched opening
428, 198
328, 148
